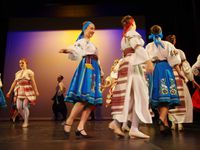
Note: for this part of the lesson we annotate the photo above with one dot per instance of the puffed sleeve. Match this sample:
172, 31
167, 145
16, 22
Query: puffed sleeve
182, 55
17, 75
137, 43
187, 70
30, 73
147, 48
173, 55
77, 50
196, 66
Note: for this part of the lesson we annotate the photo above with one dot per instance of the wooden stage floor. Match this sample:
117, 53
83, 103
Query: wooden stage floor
49, 135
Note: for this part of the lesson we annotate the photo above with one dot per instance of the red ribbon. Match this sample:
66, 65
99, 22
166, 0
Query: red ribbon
127, 26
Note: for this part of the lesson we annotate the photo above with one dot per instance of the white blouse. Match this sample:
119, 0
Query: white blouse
182, 54
81, 48
134, 39
24, 74
166, 53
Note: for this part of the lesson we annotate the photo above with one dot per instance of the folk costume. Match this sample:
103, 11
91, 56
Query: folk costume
86, 82
163, 89
130, 99
184, 112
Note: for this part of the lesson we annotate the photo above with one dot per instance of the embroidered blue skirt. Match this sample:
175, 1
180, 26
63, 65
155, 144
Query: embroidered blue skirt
86, 84
162, 86
2, 99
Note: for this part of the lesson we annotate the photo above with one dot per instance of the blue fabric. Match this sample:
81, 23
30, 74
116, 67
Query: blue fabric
2, 99
85, 85
83, 29
156, 40
162, 86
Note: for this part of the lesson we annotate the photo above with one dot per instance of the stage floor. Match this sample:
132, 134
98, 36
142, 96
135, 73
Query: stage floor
49, 135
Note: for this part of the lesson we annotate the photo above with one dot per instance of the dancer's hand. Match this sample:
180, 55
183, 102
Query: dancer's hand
37, 93
8, 95
64, 51
195, 84
108, 102
149, 67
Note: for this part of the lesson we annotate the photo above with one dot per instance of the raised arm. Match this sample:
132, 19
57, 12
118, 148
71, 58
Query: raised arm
66, 51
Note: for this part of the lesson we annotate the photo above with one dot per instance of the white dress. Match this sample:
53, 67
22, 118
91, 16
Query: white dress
131, 92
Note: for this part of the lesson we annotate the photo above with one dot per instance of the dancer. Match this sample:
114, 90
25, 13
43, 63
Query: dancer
163, 90
110, 82
85, 88
130, 100
59, 105
196, 94
25, 90
184, 112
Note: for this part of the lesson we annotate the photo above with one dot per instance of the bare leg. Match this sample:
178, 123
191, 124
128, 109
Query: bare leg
78, 107
84, 117
163, 122
163, 114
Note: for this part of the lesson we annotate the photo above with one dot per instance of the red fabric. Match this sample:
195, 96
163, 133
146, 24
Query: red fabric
126, 28
196, 99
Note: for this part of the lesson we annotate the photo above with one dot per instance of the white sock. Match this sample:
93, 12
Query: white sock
135, 122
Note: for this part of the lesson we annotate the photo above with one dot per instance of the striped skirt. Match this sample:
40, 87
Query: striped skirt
184, 112
24, 89
86, 84
119, 93
130, 94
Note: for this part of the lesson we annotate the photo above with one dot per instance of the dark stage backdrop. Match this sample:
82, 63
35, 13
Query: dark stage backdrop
39, 40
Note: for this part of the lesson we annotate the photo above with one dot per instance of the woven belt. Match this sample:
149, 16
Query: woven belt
128, 51
90, 57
